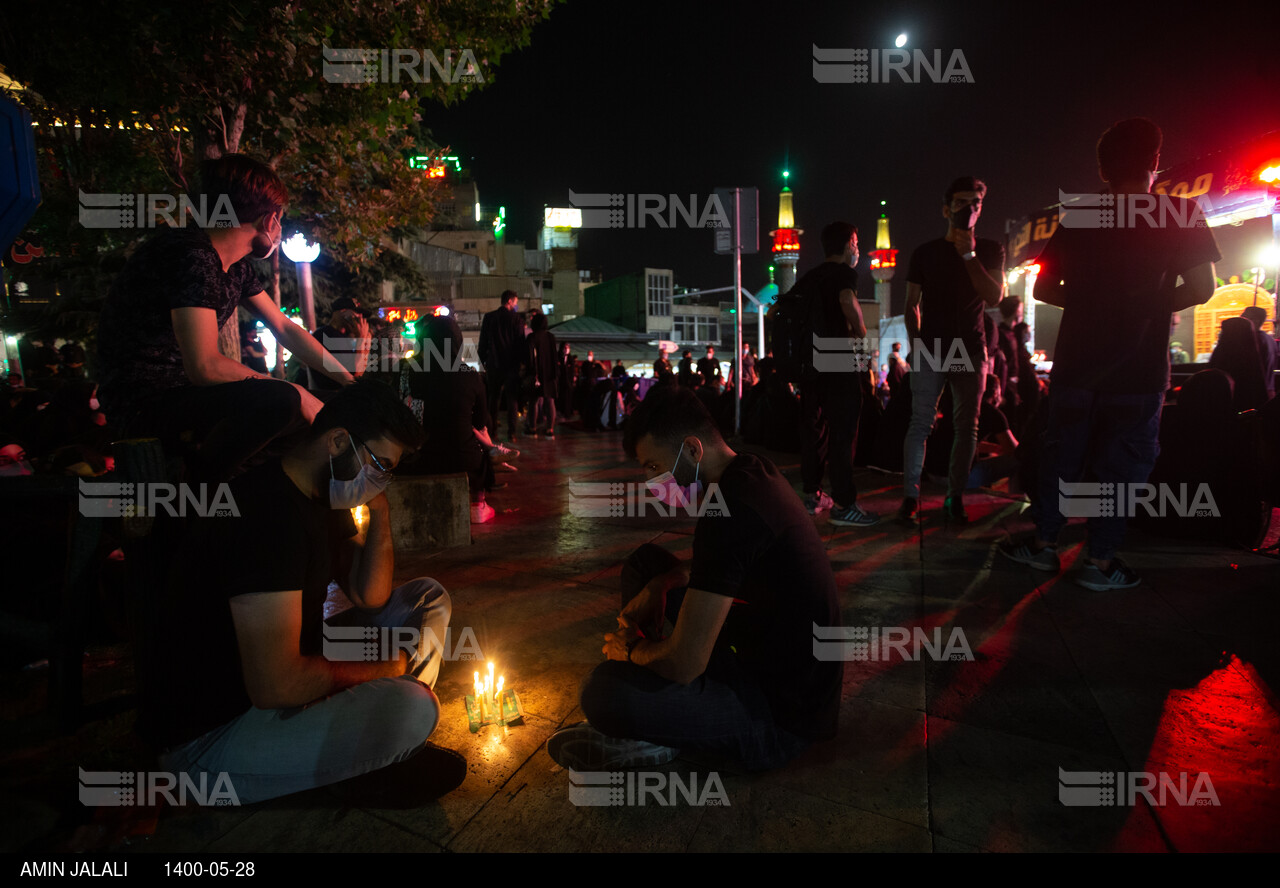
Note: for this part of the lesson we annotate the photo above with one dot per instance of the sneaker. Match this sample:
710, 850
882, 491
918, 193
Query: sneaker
583, 748
818, 502
549, 434
851, 517
953, 509
481, 513
907, 511
505, 467
1118, 576
502, 453
1025, 553
423, 778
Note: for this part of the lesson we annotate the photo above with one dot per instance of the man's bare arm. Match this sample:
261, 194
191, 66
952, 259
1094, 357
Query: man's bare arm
298, 340
373, 560
684, 656
853, 313
912, 312
196, 330
276, 674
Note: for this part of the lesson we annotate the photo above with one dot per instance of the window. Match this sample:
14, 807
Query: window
659, 295
678, 329
469, 245
695, 328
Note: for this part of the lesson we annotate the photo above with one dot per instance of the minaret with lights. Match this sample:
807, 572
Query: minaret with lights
884, 261
786, 240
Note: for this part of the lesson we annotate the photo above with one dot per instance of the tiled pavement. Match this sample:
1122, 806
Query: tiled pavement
1176, 675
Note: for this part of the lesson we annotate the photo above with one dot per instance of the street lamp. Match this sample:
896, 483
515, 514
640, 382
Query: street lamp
303, 254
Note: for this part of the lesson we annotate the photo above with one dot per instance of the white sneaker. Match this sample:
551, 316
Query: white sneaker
501, 453
481, 513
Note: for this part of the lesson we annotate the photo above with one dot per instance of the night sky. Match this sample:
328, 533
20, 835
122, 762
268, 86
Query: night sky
684, 97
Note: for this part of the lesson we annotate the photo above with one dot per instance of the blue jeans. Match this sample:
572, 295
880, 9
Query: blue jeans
723, 711
1114, 437
268, 753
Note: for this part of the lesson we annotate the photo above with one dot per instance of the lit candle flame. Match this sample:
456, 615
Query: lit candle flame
360, 514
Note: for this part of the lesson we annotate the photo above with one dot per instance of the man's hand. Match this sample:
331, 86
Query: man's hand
615, 643
965, 241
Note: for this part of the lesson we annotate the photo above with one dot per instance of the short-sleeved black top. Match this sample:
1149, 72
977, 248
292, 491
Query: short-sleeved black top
138, 352
950, 307
282, 541
766, 554
1117, 297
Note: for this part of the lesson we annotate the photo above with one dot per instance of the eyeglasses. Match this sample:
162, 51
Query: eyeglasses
378, 463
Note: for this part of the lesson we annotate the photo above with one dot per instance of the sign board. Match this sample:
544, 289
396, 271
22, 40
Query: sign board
748, 211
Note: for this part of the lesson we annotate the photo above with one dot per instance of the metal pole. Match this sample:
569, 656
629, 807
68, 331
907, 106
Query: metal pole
737, 315
305, 297
278, 370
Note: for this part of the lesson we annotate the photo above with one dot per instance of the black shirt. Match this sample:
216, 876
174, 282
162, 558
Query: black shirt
1117, 301
282, 541
825, 282
709, 368
766, 554
950, 307
502, 341
138, 353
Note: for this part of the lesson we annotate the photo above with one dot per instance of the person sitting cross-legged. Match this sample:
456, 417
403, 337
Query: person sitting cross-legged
736, 675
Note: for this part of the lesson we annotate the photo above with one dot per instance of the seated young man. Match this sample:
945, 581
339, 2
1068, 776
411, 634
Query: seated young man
161, 371
737, 675
255, 683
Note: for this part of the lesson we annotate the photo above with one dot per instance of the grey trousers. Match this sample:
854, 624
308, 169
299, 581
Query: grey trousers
268, 753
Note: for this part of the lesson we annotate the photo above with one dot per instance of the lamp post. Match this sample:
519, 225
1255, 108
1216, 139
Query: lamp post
303, 254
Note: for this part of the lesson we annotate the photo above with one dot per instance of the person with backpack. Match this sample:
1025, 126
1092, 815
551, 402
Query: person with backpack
830, 391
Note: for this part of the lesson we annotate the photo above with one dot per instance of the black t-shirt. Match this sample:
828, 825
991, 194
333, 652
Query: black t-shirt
138, 353
709, 368
282, 541
950, 307
766, 554
456, 406
825, 282
1117, 300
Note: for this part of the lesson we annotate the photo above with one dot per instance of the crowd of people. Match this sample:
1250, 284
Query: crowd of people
714, 655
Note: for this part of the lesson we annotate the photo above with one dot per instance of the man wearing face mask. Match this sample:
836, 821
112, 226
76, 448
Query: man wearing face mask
161, 371
272, 695
736, 675
951, 280
831, 397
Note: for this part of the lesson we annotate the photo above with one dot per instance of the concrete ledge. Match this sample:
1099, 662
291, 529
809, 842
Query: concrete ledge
429, 512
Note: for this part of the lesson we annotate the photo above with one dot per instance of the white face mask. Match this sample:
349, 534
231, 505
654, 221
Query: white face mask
368, 483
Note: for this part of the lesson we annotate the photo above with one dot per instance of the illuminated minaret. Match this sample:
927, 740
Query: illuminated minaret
786, 241
884, 259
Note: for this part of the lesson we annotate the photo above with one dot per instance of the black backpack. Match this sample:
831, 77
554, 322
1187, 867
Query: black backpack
792, 321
